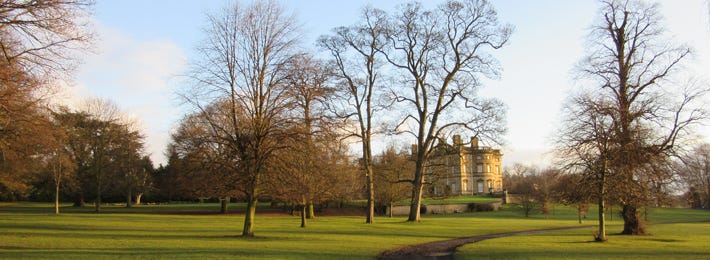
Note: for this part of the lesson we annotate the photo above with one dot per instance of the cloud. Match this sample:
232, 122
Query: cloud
137, 75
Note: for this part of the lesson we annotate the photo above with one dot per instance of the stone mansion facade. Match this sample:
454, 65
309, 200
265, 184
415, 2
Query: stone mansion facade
464, 168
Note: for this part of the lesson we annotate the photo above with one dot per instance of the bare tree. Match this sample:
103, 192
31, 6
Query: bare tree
304, 173
694, 171
585, 146
40, 35
630, 67
354, 52
440, 54
572, 190
307, 82
308, 173
242, 67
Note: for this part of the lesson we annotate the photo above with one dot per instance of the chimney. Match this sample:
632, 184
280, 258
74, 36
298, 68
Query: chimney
457, 141
474, 142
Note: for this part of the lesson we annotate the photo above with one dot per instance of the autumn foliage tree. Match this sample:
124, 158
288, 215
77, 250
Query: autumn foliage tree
37, 40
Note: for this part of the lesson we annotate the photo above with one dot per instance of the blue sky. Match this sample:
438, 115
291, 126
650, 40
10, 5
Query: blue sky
143, 46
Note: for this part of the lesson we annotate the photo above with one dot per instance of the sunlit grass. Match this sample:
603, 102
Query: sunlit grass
669, 238
32, 231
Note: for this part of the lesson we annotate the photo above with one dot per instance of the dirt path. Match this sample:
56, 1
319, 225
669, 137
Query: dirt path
445, 249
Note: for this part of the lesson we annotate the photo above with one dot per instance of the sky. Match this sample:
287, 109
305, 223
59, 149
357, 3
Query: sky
143, 47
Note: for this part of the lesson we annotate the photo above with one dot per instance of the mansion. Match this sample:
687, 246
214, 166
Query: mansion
464, 168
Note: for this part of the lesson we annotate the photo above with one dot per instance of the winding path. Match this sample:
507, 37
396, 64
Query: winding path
445, 249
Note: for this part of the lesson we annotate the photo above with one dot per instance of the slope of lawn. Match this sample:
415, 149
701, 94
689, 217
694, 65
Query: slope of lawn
32, 231
674, 234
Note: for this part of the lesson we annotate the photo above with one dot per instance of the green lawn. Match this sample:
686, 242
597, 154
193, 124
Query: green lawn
31, 231
674, 234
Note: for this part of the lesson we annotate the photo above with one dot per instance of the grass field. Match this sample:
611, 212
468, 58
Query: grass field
670, 238
32, 231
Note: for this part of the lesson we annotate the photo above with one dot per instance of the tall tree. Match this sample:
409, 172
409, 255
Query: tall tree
242, 67
354, 51
440, 55
632, 67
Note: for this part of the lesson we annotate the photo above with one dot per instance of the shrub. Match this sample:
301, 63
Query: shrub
485, 207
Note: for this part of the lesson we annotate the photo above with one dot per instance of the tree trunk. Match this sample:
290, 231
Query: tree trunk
79, 202
56, 199
370, 198
391, 208
633, 225
601, 236
311, 214
129, 197
370, 182
97, 202
417, 187
415, 205
224, 205
138, 198
303, 215
248, 230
